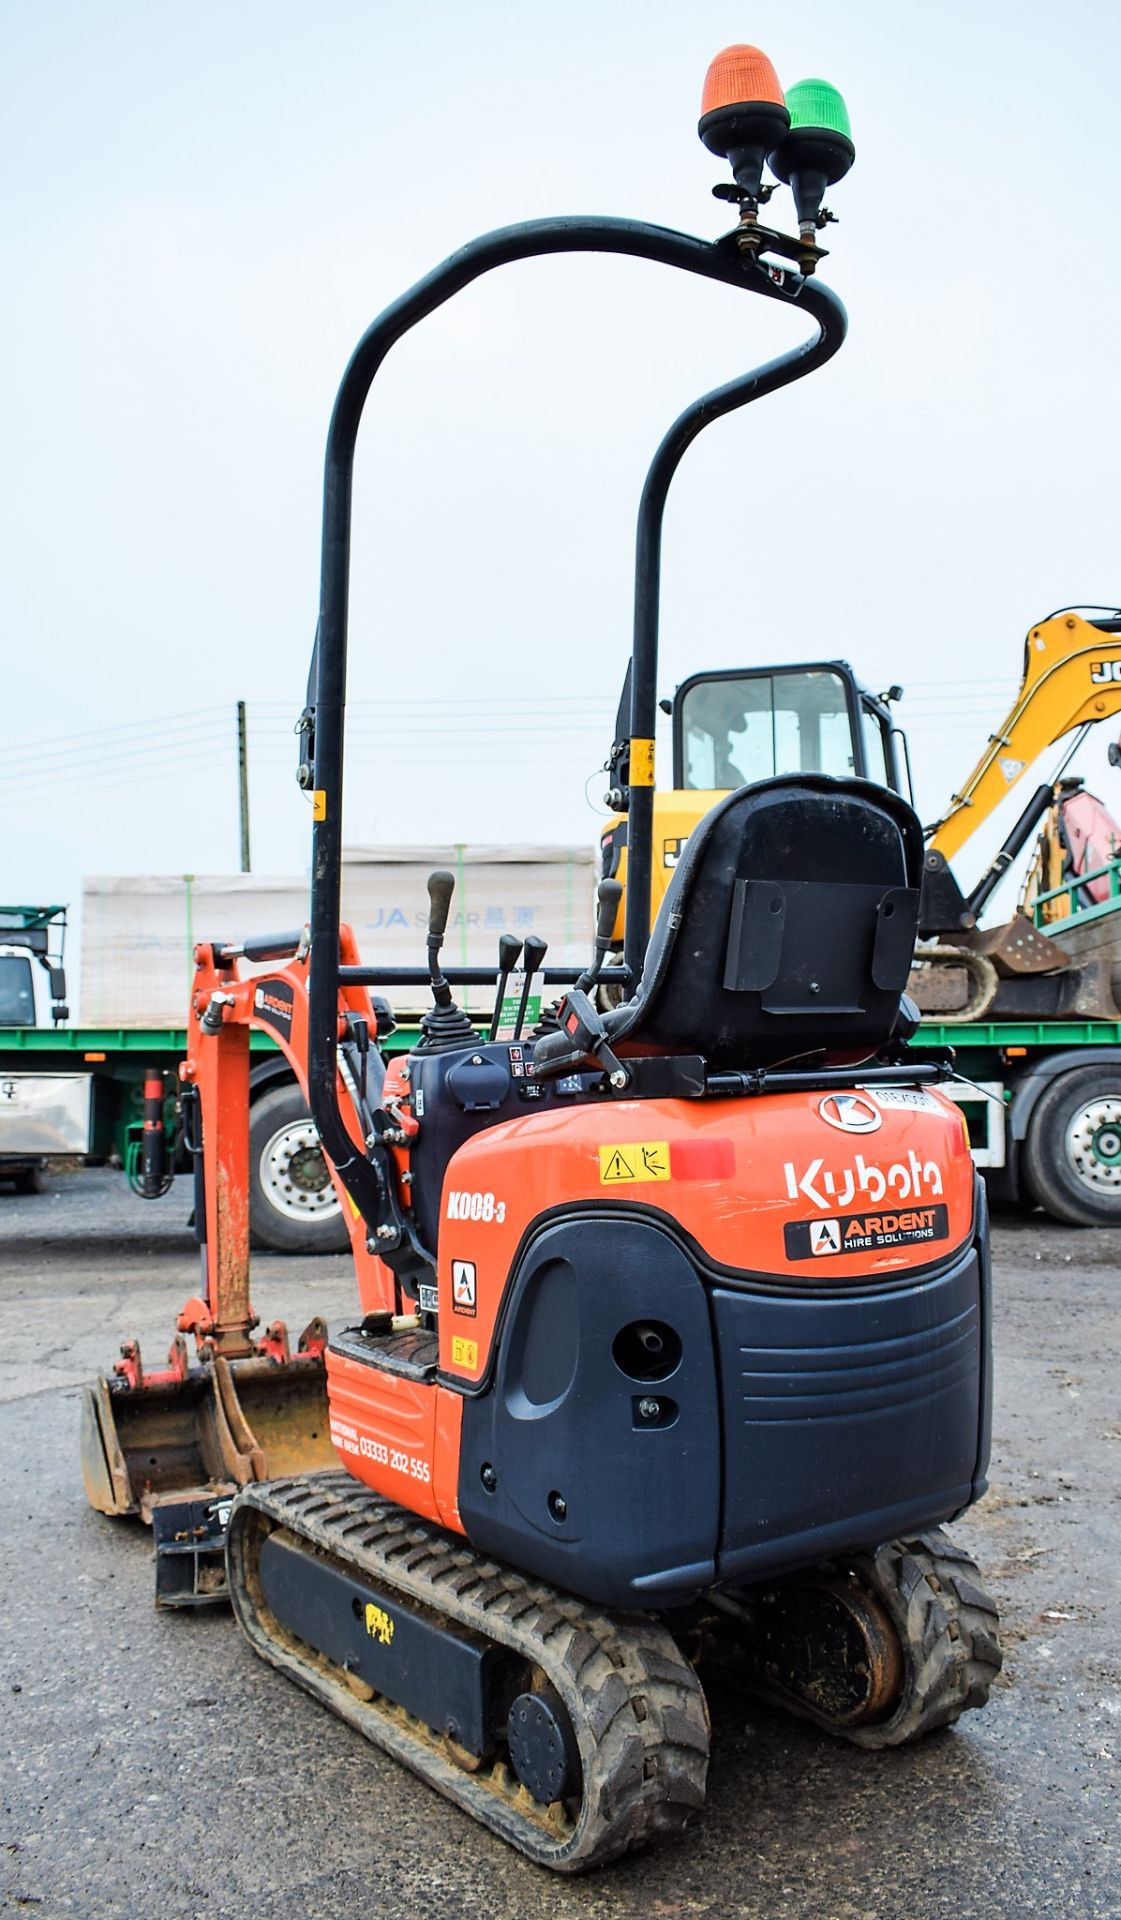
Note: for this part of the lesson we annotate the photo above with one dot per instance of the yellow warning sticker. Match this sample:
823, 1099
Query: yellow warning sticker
642, 763
465, 1353
319, 804
635, 1160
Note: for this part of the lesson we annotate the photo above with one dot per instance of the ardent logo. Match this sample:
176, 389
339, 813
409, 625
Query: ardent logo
276, 1002
850, 1113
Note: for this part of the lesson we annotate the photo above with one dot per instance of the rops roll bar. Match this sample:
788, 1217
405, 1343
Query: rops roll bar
723, 260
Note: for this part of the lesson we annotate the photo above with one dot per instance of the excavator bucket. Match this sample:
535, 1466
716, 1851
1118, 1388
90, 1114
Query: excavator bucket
207, 1432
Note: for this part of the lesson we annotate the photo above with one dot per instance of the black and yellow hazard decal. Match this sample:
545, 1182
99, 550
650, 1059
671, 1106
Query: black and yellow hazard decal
634, 1160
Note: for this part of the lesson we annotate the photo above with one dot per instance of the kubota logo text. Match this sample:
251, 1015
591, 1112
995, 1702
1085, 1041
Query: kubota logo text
824, 1187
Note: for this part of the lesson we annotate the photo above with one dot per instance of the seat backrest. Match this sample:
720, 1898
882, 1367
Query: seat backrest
788, 927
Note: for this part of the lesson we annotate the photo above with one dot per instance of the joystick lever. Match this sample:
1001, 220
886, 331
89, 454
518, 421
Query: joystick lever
535, 951
445, 1025
509, 949
608, 895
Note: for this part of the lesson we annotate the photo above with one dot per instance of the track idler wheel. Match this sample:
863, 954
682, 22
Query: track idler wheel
830, 1645
901, 1641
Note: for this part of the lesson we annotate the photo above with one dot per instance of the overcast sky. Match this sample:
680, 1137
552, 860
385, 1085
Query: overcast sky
204, 206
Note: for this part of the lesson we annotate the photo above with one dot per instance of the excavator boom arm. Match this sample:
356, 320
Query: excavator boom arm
1072, 675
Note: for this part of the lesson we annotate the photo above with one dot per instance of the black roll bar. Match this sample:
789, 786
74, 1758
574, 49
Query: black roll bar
722, 260
832, 322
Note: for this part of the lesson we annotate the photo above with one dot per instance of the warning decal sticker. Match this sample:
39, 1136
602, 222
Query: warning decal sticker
620, 1166
865, 1232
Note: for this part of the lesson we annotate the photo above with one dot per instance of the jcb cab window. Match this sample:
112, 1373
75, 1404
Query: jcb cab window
739, 729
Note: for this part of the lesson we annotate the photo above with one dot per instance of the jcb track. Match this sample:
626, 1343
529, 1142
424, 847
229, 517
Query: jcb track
636, 1706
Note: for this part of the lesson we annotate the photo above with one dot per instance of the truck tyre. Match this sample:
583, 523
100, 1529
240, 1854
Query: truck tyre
31, 1180
1072, 1153
293, 1206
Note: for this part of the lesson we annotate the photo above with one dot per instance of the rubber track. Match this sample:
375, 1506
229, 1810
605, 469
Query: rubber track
635, 1703
949, 1630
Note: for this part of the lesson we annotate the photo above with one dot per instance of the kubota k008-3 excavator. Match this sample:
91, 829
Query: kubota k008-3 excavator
673, 1352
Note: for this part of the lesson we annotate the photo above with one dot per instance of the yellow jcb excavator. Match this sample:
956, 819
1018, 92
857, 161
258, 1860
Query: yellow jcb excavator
730, 728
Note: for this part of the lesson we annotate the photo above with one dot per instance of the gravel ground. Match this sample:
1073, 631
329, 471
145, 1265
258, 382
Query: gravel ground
155, 1768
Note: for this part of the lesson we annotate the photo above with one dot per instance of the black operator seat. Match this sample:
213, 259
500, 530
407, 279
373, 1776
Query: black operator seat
788, 928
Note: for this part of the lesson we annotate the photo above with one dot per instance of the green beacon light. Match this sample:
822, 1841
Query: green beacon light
817, 151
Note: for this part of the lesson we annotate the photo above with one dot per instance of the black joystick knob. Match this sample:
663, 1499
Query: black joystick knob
609, 893
445, 1025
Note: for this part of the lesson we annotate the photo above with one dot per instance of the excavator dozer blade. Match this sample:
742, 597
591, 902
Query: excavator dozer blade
219, 1427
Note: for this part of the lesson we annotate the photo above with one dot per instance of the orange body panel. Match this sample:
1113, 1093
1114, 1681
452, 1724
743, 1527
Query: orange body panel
890, 1190
397, 1435
733, 1175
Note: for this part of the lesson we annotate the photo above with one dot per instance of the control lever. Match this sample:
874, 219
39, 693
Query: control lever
445, 1025
441, 886
608, 895
509, 948
581, 1033
534, 954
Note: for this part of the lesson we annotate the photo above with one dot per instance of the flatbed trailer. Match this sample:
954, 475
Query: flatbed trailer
1042, 1099
69, 1092
1037, 1094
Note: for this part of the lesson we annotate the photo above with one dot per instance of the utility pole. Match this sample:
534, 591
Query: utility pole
243, 786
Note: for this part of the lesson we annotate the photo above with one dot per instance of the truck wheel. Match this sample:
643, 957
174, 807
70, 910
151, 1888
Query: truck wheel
31, 1180
293, 1207
1072, 1154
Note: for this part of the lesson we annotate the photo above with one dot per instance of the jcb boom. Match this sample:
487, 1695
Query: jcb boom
634, 1277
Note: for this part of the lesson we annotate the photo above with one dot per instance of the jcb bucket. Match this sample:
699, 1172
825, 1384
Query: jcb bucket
221, 1426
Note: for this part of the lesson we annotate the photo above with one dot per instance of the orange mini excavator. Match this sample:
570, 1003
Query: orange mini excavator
673, 1352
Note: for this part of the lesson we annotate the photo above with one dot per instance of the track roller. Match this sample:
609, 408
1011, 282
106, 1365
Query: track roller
573, 1734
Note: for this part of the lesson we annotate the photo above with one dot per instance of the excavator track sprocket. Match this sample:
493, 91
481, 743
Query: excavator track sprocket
923, 1603
634, 1704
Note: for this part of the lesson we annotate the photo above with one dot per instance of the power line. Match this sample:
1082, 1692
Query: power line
123, 725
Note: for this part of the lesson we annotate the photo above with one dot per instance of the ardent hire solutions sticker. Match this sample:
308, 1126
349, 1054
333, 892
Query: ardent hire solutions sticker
865, 1232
